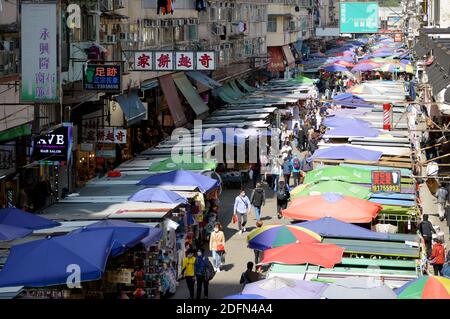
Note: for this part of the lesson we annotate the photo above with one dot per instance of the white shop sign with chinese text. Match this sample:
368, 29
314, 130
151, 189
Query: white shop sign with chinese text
112, 135
39, 53
174, 61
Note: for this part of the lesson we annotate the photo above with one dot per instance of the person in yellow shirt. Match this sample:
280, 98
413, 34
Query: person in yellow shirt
188, 271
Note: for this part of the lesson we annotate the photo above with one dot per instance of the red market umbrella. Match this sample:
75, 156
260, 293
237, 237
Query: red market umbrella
344, 208
344, 63
324, 255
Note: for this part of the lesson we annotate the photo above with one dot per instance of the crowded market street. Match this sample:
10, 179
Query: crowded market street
320, 172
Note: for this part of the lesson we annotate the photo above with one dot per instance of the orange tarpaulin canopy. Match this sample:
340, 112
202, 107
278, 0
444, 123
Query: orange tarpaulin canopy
344, 208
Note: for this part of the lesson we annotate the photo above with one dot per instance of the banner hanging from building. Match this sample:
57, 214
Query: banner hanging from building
39, 72
359, 17
174, 61
100, 77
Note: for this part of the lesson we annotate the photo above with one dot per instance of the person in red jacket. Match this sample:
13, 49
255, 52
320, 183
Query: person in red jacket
438, 255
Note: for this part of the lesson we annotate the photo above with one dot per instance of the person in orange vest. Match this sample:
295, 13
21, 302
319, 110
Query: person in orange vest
438, 257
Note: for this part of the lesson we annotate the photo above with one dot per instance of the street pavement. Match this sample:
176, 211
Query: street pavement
226, 282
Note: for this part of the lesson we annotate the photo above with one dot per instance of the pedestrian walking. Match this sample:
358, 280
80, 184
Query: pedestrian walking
249, 275
217, 246
258, 199
283, 196
188, 271
276, 172
447, 216
241, 209
296, 164
287, 170
256, 173
258, 253
203, 273
426, 229
441, 196
438, 257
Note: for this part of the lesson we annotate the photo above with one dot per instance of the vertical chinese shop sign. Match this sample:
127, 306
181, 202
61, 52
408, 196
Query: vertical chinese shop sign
39, 53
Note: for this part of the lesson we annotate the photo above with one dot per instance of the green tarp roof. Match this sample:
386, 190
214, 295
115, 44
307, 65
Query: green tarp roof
15, 132
343, 188
193, 164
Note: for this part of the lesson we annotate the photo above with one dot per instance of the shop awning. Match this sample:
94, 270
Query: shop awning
288, 55
132, 107
149, 85
173, 100
15, 132
203, 79
437, 78
194, 100
420, 50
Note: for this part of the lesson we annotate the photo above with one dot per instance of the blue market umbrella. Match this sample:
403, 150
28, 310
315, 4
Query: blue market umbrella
346, 152
358, 130
339, 121
181, 178
20, 218
335, 68
157, 195
46, 262
245, 296
154, 235
8, 232
125, 234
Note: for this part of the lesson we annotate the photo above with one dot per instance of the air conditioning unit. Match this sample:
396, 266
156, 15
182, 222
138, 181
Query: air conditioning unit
106, 5
119, 4
217, 29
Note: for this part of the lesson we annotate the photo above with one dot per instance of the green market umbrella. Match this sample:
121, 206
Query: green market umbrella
339, 173
302, 79
343, 188
193, 164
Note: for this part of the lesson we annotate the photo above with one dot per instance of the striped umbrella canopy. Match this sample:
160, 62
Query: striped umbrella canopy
425, 287
271, 236
396, 67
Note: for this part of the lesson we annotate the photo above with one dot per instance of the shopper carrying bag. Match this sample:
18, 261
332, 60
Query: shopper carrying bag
217, 245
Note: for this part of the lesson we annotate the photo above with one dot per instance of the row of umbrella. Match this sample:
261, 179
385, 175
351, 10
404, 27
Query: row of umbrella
426, 287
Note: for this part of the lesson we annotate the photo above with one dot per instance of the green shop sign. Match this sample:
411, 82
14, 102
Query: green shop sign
359, 17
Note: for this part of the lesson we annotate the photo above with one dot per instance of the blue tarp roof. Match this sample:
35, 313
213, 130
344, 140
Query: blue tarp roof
132, 107
357, 130
339, 121
19, 218
154, 235
46, 262
225, 135
348, 99
330, 227
347, 152
204, 79
125, 234
181, 178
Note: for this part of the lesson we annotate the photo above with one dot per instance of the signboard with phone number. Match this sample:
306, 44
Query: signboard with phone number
386, 181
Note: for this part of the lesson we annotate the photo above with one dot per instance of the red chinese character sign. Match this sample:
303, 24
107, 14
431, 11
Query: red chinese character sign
184, 61
143, 61
109, 135
386, 181
164, 61
206, 60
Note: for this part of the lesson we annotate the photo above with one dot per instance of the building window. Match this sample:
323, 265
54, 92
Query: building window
179, 34
149, 36
272, 24
166, 35
193, 32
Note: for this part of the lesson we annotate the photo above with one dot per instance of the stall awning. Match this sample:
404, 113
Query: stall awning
132, 107
173, 100
194, 100
203, 79
437, 79
149, 85
288, 55
276, 60
15, 132
420, 50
